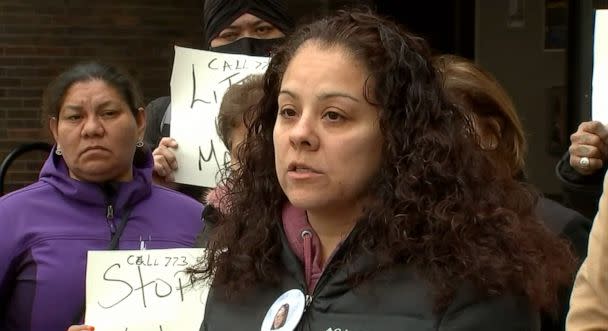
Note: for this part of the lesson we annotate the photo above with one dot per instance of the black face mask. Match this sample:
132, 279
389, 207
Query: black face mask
249, 46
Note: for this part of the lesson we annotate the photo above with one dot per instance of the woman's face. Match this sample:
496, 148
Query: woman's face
327, 138
97, 132
280, 318
246, 26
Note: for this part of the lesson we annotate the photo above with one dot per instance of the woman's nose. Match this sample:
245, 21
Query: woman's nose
303, 134
92, 127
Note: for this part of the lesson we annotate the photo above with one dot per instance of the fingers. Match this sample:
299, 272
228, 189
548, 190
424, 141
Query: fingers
591, 141
590, 147
592, 167
165, 162
595, 131
168, 142
81, 328
594, 127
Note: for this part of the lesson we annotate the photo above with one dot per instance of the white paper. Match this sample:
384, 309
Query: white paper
198, 82
144, 290
599, 95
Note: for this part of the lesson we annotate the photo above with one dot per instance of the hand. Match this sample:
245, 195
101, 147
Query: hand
81, 328
590, 140
164, 161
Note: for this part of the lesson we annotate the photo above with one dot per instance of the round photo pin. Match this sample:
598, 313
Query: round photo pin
286, 312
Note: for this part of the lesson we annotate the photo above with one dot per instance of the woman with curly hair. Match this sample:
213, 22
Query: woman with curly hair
362, 198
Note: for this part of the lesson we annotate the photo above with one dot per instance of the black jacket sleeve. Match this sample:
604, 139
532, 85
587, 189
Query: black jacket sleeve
581, 192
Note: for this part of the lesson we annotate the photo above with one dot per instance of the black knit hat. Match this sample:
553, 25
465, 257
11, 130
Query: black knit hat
219, 14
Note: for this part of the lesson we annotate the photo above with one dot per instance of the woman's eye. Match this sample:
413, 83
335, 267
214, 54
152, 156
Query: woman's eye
231, 35
73, 118
109, 113
333, 116
264, 29
287, 112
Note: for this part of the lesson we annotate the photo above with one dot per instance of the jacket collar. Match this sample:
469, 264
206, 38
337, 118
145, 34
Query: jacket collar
55, 173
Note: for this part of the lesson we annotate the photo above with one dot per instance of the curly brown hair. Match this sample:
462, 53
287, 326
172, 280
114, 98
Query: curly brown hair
435, 204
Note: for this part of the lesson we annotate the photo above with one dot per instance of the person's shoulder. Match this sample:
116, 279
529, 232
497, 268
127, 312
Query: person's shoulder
558, 217
17, 198
176, 197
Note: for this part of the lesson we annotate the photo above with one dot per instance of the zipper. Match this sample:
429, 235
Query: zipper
110, 218
308, 301
324, 276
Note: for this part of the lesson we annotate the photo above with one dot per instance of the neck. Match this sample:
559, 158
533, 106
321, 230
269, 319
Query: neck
332, 226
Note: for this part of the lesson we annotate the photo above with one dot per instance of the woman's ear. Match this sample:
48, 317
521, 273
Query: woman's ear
140, 120
53, 127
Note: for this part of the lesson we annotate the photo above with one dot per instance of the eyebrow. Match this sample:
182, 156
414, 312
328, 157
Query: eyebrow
78, 107
328, 95
72, 107
257, 22
323, 96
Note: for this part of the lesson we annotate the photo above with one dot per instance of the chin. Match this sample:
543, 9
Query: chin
308, 202
97, 175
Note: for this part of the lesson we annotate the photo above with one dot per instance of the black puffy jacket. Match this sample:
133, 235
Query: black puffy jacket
395, 299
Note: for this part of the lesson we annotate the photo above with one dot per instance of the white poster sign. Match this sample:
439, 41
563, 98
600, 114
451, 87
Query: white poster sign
144, 290
198, 83
599, 96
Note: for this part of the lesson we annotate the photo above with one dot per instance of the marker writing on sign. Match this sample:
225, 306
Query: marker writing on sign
194, 99
235, 76
160, 328
238, 64
211, 156
162, 288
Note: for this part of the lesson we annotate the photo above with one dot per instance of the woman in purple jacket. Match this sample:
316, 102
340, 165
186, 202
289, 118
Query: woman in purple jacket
95, 192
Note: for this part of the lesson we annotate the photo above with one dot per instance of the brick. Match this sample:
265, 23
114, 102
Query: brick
20, 50
23, 92
21, 128
23, 115
10, 103
40, 38
9, 82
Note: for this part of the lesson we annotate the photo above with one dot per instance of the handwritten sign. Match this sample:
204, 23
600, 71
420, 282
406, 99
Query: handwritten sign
599, 96
144, 290
198, 82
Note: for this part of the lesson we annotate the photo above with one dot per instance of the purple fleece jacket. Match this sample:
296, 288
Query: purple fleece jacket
47, 228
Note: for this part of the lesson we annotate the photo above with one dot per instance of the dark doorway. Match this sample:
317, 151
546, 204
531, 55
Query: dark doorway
448, 25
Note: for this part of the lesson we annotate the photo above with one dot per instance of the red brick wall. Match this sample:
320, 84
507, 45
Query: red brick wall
40, 38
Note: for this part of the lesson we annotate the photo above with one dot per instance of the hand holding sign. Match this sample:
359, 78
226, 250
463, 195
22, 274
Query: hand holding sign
198, 83
165, 163
144, 290
589, 143
81, 328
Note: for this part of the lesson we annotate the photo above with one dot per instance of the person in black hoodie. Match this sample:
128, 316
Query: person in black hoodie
362, 200
500, 133
248, 27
